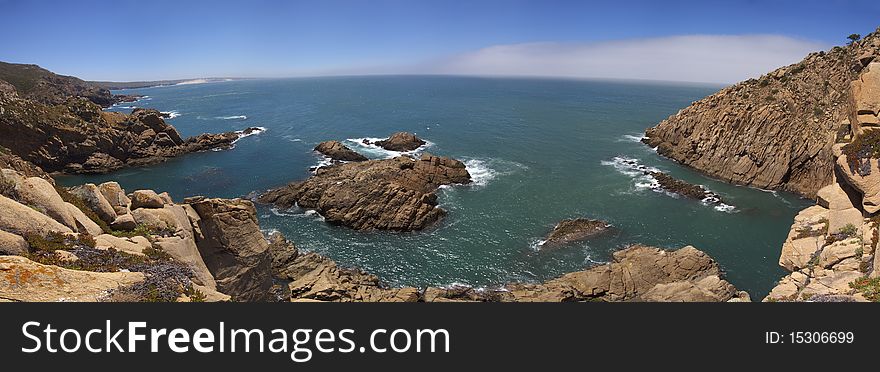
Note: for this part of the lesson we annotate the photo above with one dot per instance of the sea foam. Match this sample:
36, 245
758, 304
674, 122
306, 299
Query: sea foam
373, 150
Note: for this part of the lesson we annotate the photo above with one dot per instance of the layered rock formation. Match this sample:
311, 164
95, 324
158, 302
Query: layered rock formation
388, 194
337, 151
831, 248
569, 231
774, 132
77, 137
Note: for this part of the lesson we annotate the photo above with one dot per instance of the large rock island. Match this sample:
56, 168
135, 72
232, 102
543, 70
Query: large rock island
388, 194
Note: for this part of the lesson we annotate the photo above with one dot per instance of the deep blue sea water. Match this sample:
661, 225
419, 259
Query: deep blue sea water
540, 151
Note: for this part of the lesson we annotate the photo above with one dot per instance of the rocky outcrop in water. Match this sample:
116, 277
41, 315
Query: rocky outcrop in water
388, 194
337, 151
574, 230
638, 273
401, 141
773, 132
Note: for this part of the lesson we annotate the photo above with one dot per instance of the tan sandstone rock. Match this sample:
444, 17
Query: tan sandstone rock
24, 220
12, 244
24, 280
93, 197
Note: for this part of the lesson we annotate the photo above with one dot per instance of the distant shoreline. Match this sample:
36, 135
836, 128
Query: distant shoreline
113, 85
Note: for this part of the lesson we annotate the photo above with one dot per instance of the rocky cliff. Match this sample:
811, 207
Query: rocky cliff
831, 248
38, 84
775, 131
78, 137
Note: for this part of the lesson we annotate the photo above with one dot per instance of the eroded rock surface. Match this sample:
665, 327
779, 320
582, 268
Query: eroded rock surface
388, 194
773, 132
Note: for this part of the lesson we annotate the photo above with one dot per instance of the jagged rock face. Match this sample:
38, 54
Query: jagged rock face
389, 194
569, 231
8, 160
774, 132
401, 141
233, 248
78, 137
337, 151
22, 280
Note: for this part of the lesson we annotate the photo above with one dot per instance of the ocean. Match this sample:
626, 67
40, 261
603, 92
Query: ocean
539, 150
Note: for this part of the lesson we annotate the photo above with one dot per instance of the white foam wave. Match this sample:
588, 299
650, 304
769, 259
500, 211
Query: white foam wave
643, 180
368, 147
631, 138
233, 117
171, 114
248, 133
537, 244
480, 172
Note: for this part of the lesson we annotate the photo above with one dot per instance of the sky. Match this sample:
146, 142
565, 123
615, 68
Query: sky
697, 41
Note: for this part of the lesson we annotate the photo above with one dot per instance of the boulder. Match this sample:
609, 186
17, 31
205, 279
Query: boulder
12, 244
115, 195
233, 248
39, 193
569, 231
166, 198
24, 220
337, 151
125, 222
839, 251
838, 219
833, 197
185, 251
106, 241
709, 289
24, 280
868, 186
145, 199
94, 199
401, 141
84, 224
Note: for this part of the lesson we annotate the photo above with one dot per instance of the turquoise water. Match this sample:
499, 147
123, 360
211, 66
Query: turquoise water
540, 150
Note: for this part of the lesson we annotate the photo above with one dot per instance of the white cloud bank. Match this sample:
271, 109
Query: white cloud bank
693, 58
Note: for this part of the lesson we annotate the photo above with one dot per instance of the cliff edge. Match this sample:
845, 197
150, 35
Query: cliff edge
776, 131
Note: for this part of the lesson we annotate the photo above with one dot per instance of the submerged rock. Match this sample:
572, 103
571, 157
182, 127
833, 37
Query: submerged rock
569, 231
337, 151
388, 194
401, 141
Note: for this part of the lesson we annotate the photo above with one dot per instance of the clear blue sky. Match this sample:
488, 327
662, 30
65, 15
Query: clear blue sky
131, 40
